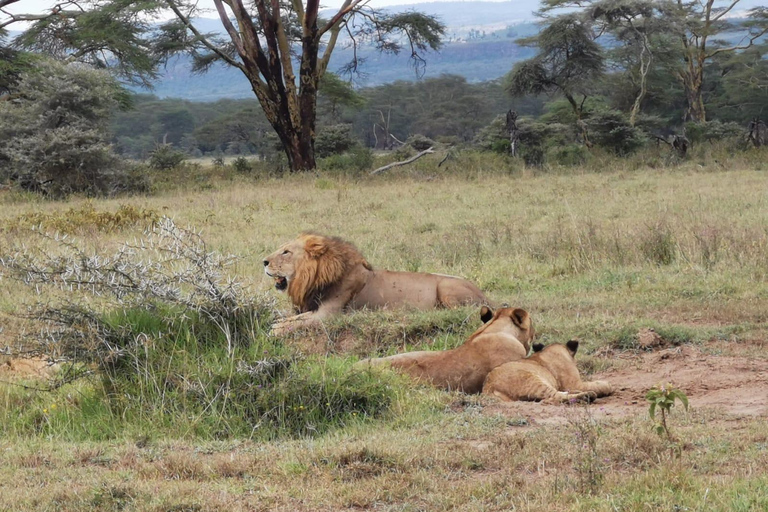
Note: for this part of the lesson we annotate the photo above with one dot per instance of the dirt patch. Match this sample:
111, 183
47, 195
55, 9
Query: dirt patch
26, 367
734, 385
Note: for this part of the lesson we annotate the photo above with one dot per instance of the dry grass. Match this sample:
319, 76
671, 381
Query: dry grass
464, 461
591, 255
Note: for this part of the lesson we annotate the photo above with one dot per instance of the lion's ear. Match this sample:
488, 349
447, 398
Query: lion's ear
315, 246
486, 314
573, 346
538, 347
521, 318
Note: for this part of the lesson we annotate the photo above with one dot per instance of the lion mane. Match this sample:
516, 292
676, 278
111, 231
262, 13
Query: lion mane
326, 261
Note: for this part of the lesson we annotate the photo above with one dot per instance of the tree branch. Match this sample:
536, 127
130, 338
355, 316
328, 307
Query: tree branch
215, 49
229, 27
725, 10
346, 8
738, 47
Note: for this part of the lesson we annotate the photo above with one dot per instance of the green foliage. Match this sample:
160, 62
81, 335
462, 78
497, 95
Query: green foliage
356, 160
54, 136
567, 61
112, 34
568, 155
663, 398
333, 140
165, 157
714, 130
241, 165
611, 130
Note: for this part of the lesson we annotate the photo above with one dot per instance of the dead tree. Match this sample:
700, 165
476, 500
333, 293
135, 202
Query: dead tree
512, 131
758, 133
679, 143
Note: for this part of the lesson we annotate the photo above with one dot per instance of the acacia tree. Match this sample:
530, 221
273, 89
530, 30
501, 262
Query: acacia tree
639, 30
697, 24
694, 25
267, 40
569, 59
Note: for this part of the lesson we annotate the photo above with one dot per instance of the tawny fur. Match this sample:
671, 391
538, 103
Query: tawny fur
327, 275
505, 337
549, 375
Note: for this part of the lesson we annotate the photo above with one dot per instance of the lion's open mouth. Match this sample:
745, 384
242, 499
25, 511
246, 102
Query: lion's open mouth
281, 283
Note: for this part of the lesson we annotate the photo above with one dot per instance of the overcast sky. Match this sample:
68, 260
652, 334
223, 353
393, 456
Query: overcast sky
39, 5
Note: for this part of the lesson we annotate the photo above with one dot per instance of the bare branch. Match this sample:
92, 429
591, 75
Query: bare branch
404, 162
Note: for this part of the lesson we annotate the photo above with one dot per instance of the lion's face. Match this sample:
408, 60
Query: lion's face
281, 265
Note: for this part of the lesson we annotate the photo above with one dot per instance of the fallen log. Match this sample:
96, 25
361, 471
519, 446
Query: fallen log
404, 162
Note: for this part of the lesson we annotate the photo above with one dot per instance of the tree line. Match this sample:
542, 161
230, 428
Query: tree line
611, 71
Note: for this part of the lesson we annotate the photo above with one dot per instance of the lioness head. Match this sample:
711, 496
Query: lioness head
309, 263
509, 320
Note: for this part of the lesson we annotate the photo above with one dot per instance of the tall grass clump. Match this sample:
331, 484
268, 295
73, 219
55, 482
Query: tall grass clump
169, 342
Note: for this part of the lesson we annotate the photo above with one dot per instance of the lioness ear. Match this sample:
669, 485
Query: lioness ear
315, 246
486, 314
521, 318
573, 346
538, 347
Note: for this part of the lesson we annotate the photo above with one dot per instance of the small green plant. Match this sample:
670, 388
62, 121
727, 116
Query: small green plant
663, 397
241, 165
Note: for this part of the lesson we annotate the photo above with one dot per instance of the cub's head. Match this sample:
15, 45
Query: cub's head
514, 321
556, 354
309, 264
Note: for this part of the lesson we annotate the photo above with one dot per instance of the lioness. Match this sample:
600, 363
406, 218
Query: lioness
325, 275
550, 374
505, 336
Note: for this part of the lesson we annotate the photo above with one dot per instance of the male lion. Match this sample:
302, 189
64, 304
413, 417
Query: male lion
505, 336
550, 374
325, 275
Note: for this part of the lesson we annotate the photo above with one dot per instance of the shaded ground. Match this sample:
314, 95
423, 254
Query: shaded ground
734, 385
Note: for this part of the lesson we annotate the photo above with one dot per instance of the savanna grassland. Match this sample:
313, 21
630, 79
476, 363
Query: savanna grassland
598, 254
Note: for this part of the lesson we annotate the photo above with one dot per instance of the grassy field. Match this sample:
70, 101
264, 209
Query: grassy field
597, 255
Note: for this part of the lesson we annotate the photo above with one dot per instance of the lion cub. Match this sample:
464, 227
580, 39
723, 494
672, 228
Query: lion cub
505, 336
550, 374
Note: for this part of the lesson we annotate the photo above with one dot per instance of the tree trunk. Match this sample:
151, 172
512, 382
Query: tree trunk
693, 82
695, 111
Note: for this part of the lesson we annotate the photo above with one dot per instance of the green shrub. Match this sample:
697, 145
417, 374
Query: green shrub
165, 157
611, 130
333, 140
568, 155
356, 159
241, 165
713, 131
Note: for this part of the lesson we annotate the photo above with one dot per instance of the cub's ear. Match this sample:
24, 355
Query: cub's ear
521, 318
315, 246
538, 347
573, 346
486, 314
